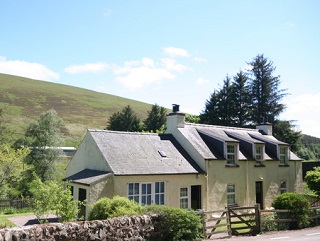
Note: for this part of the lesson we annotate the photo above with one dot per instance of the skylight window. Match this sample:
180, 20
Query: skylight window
162, 154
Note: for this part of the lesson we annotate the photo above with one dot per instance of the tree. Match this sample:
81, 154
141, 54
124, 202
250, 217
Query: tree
284, 131
241, 99
126, 120
11, 166
43, 136
51, 196
156, 118
265, 92
312, 179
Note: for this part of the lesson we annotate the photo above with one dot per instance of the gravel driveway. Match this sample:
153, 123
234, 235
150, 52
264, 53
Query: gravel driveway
30, 220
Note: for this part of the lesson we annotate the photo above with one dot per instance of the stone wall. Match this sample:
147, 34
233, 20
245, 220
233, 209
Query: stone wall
123, 228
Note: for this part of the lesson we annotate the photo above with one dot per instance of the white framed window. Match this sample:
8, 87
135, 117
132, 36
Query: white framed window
259, 150
185, 198
159, 193
283, 155
231, 194
147, 193
231, 154
283, 187
134, 192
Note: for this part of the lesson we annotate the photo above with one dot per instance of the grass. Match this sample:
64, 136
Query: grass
25, 99
6, 223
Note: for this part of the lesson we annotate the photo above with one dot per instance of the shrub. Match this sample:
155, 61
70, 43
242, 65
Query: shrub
175, 224
298, 206
118, 206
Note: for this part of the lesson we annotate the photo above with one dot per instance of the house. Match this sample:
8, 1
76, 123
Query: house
190, 166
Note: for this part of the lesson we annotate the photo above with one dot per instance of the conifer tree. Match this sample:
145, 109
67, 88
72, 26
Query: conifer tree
156, 118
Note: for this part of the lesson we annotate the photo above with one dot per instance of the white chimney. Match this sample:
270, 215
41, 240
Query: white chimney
265, 128
175, 119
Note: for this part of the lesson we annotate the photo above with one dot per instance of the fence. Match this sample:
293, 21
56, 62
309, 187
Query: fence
250, 221
15, 203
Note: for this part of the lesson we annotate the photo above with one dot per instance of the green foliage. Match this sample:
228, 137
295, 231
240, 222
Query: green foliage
298, 206
43, 136
312, 179
309, 148
265, 93
192, 118
175, 224
11, 167
52, 197
156, 119
126, 120
118, 206
284, 131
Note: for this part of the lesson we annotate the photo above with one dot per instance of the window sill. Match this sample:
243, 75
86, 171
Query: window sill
232, 165
235, 205
284, 165
259, 165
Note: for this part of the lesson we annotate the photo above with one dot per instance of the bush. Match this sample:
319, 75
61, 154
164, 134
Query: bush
175, 224
118, 206
298, 206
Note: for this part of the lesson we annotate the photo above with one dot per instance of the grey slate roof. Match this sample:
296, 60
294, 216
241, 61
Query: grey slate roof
87, 177
129, 153
199, 136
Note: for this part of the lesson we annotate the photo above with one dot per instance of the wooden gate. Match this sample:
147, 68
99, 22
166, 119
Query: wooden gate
216, 223
231, 221
244, 220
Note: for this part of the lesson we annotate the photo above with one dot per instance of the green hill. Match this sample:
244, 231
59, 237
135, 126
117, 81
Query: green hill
25, 99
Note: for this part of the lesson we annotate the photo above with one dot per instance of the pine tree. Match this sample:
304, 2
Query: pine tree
265, 92
126, 120
156, 118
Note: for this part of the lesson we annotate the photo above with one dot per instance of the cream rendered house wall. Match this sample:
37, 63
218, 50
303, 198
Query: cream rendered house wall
173, 183
245, 177
88, 156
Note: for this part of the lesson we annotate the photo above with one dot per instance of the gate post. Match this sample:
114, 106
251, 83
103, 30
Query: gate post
258, 218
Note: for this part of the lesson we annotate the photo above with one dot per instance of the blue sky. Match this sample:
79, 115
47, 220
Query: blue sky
166, 52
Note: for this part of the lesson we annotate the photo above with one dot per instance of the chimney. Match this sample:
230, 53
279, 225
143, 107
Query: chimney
265, 128
175, 119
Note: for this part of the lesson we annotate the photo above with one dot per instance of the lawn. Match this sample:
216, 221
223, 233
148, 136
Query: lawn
6, 223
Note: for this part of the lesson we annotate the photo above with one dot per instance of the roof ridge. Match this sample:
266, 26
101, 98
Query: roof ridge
123, 132
222, 127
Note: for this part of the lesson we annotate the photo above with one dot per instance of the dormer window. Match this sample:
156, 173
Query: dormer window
259, 150
231, 154
283, 155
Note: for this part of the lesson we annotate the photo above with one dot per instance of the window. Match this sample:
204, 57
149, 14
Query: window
184, 198
283, 187
231, 194
159, 193
231, 154
283, 156
134, 193
259, 154
147, 193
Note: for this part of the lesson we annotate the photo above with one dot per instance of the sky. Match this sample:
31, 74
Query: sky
166, 52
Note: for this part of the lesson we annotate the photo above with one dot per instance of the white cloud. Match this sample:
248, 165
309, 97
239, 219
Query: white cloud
200, 60
27, 69
136, 74
175, 52
305, 109
202, 81
171, 64
87, 68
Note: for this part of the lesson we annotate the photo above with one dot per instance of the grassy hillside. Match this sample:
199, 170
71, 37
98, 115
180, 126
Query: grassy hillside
25, 99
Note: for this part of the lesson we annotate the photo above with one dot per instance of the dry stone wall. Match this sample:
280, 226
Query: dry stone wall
132, 228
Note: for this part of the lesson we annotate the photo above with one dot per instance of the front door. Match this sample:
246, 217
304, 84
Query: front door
259, 194
196, 197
